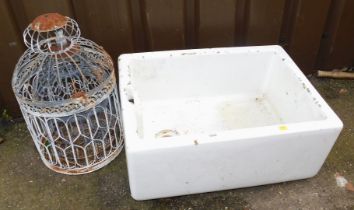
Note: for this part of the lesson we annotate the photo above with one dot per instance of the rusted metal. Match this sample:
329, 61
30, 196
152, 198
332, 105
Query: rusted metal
66, 88
48, 22
86, 170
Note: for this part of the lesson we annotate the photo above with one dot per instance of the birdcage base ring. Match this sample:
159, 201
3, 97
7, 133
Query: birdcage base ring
84, 170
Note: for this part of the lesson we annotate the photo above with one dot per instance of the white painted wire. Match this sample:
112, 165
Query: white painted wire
67, 92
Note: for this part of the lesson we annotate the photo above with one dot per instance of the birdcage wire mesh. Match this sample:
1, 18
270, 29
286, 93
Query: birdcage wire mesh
66, 88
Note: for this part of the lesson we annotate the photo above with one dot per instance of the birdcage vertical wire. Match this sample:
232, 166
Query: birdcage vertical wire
66, 88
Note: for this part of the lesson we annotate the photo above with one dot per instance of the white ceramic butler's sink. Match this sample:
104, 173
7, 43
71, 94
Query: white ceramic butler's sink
214, 119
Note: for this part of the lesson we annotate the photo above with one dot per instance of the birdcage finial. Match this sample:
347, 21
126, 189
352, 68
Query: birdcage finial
48, 22
51, 33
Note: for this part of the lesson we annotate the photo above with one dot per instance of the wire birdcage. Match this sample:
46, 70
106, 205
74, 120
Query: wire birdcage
66, 88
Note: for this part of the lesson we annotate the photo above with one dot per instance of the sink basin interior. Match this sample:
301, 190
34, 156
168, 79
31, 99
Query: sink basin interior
188, 93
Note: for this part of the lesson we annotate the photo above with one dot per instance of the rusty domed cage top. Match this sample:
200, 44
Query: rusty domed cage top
61, 72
